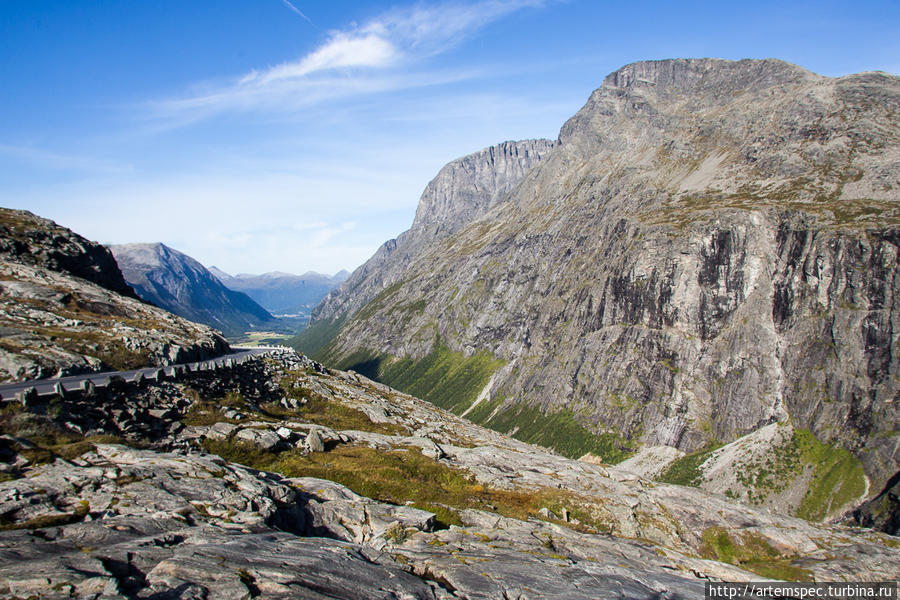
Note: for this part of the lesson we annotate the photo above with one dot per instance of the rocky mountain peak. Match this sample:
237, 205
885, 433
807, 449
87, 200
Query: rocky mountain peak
464, 190
710, 249
698, 75
27, 238
180, 284
468, 187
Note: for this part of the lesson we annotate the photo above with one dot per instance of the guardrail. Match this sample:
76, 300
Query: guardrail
32, 390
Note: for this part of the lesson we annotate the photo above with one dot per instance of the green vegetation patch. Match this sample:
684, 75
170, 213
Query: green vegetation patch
686, 470
322, 411
402, 476
558, 430
839, 477
205, 412
453, 381
444, 377
314, 338
752, 552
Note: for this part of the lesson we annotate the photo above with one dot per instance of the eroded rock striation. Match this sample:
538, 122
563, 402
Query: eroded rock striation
711, 248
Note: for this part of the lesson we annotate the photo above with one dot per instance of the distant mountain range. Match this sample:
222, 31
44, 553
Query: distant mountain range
175, 281
283, 293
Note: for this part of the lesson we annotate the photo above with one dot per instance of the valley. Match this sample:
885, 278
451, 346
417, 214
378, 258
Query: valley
656, 352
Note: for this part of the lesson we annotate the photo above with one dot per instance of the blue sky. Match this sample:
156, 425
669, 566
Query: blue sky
262, 135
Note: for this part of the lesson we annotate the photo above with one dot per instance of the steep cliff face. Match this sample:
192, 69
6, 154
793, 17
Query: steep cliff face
175, 281
711, 248
462, 191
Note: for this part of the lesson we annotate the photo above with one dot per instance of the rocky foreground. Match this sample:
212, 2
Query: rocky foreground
281, 479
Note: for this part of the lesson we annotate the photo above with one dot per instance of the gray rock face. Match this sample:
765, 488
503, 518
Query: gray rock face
711, 248
26, 238
178, 283
462, 191
149, 524
60, 312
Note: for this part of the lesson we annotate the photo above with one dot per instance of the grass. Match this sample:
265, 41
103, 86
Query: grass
858, 212
686, 470
401, 477
839, 477
329, 413
317, 409
48, 440
206, 412
445, 378
316, 336
752, 552
558, 430
453, 381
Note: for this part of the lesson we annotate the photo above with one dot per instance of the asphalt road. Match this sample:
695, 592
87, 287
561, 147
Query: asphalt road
75, 382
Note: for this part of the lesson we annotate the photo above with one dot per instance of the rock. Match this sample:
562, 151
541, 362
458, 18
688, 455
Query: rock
648, 462
547, 513
883, 511
265, 440
220, 431
230, 413
429, 448
286, 434
314, 442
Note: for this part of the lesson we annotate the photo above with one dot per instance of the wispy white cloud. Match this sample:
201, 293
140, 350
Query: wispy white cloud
434, 28
357, 60
341, 51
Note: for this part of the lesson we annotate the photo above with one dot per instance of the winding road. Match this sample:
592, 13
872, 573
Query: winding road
101, 379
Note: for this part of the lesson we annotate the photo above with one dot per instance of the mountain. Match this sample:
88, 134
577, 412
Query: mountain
180, 284
278, 478
283, 293
711, 248
65, 308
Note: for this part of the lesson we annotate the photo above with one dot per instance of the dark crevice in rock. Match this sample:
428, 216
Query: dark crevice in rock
130, 579
249, 582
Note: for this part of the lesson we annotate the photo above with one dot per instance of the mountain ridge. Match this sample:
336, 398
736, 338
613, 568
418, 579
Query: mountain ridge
280, 292
711, 248
175, 281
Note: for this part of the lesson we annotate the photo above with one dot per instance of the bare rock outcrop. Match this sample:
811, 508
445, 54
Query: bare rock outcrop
65, 309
